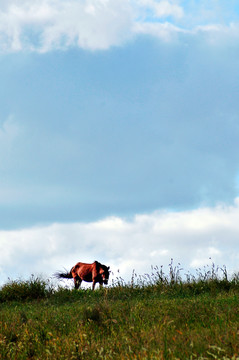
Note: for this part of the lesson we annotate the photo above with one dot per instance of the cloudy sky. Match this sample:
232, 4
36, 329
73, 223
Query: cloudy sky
119, 134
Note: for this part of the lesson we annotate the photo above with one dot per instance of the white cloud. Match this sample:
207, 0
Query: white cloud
161, 9
202, 255
218, 34
214, 34
51, 24
164, 31
189, 237
45, 25
165, 8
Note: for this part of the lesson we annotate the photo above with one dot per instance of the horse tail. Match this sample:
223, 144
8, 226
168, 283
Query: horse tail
65, 275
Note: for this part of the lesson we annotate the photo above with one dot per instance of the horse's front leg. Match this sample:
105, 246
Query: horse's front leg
77, 282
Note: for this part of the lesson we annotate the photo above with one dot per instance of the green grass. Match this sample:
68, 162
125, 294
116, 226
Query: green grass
155, 316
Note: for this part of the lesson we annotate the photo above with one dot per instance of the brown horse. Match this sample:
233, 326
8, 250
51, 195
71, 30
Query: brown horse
96, 273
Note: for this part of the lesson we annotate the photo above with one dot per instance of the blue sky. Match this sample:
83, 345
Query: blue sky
111, 109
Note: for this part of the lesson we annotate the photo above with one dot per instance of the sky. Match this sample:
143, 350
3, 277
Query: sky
119, 134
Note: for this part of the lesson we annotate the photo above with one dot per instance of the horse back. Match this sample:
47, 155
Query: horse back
85, 271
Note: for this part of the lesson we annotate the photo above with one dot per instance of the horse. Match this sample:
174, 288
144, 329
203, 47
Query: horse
95, 272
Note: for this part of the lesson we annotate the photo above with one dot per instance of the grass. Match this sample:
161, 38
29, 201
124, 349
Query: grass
155, 316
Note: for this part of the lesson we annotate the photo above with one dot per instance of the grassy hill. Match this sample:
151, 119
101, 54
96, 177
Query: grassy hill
153, 317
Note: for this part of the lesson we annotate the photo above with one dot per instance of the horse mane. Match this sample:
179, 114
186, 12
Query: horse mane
97, 265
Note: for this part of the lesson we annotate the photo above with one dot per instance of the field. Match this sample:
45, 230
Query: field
155, 316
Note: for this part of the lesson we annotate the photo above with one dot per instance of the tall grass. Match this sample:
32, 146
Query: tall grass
209, 279
34, 288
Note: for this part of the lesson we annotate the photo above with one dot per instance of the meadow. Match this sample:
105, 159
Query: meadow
155, 316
